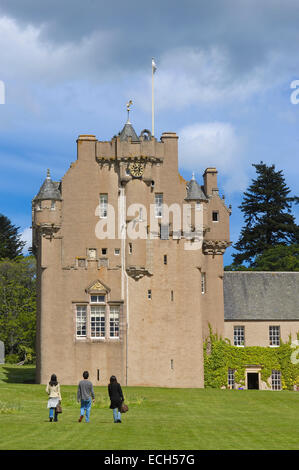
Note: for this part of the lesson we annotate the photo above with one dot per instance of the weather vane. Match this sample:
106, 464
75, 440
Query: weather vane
129, 104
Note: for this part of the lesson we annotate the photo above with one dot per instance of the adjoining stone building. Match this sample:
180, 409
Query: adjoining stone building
138, 308
261, 309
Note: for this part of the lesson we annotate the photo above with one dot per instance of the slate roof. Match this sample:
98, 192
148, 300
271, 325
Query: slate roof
49, 190
254, 295
128, 131
194, 191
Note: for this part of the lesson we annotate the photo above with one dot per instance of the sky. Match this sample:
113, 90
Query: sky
225, 72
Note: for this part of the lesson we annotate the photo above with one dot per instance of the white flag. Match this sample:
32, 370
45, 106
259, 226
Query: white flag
154, 67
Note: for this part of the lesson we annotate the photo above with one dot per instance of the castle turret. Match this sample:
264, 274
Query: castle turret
47, 203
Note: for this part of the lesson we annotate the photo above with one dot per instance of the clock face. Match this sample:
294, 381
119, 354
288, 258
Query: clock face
136, 169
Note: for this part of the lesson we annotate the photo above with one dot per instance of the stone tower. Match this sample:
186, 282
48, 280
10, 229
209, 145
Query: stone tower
130, 267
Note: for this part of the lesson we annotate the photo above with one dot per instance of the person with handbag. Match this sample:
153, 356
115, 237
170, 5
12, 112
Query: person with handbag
116, 398
53, 390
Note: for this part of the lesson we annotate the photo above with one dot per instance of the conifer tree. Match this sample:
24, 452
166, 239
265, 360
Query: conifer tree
267, 213
10, 243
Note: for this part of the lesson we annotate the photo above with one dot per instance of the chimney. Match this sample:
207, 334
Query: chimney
210, 181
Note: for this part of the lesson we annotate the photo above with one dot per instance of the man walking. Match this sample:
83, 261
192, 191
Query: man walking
85, 393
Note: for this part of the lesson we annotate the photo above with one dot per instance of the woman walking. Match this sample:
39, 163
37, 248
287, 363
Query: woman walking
53, 390
116, 398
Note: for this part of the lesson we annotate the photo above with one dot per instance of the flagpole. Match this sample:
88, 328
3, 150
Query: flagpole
153, 126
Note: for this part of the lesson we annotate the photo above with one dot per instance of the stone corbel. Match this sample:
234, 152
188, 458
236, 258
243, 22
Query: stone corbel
215, 247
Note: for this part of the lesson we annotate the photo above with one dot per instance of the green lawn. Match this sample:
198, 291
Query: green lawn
158, 418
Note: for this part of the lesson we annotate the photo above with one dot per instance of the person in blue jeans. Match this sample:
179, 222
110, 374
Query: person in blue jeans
85, 394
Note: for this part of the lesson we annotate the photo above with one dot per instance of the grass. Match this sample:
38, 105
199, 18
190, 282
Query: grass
158, 418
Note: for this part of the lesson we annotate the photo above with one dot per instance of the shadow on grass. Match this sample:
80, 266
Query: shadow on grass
18, 374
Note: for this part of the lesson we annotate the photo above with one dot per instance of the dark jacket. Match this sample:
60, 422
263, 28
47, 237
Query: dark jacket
116, 395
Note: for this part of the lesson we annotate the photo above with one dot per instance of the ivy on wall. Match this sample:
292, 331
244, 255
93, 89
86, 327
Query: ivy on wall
220, 355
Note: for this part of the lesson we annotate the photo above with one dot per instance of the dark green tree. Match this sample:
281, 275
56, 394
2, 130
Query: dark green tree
267, 207
18, 305
11, 245
278, 258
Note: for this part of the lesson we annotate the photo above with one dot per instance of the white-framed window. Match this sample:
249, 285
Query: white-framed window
97, 299
92, 253
53, 206
103, 205
274, 335
197, 205
114, 321
215, 216
239, 335
81, 320
116, 251
203, 283
276, 380
158, 205
231, 378
97, 321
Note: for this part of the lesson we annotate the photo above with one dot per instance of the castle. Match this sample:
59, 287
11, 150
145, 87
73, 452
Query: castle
122, 289
130, 267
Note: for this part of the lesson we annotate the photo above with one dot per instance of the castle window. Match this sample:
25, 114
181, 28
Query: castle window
231, 378
97, 299
114, 321
239, 335
116, 251
97, 321
203, 283
103, 205
165, 259
149, 294
171, 296
104, 251
276, 380
130, 248
198, 205
158, 205
81, 315
215, 216
92, 253
52, 205
274, 335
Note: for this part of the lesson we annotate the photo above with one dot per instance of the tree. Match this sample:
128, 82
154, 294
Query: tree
18, 305
278, 258
10, 244
267, 212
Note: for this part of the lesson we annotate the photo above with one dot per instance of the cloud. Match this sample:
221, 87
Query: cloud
214, 144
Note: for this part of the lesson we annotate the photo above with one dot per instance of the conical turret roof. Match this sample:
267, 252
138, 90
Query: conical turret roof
195, 191
128, 131
49, 190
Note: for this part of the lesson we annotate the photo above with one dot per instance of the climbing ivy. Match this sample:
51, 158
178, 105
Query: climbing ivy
220, 355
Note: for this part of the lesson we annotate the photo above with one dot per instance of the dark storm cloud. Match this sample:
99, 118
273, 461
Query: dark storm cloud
249, 30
